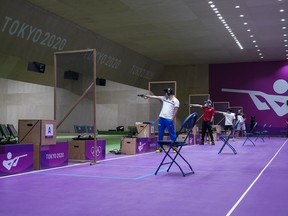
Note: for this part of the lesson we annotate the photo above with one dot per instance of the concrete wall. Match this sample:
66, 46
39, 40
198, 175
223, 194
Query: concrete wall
117, 104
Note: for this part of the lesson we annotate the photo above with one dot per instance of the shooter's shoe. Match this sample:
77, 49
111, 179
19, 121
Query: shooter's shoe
158, 150
201, 142
212, 143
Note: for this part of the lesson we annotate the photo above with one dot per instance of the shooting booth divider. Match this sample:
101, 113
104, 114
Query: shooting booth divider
75, 90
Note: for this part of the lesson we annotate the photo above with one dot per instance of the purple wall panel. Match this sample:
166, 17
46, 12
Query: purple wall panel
261, 88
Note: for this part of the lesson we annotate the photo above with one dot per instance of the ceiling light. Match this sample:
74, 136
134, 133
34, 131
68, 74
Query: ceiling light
248, 30
261, 57
241, 15
245, 23
213, 6
281, 10
237, 6
285, 40
256, 45
285, 35
282, 20
254, 41
284, 27
251, 35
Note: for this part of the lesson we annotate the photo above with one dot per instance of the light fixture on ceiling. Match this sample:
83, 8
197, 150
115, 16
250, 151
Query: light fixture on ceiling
284, 27
213, 6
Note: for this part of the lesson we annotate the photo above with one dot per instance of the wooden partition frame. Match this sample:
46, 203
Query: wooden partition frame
91, 86
236, 108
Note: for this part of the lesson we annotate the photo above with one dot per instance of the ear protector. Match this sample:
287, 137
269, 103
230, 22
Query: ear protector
208, 102
169, 91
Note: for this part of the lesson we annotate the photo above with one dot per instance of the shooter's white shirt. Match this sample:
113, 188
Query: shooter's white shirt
229, 117
168, 107
240, 118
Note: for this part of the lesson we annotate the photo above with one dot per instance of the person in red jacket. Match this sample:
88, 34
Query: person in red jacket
207, 120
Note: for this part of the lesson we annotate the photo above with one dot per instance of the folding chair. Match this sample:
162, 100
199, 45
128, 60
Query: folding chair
263, 133
266, 132
250, 134
260, 133
186, 127
226, 137
7, 138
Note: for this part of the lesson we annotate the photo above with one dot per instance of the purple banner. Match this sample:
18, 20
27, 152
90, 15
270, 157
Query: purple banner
197, 139
260, 88
152, 144
100, 149
16, 158
54, 155
142, 145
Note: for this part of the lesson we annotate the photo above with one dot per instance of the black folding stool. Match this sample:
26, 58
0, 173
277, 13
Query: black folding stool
186, 127
250, 134
226, 137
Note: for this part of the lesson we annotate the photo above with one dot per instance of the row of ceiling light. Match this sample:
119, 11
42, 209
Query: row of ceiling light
217, 12
284, 27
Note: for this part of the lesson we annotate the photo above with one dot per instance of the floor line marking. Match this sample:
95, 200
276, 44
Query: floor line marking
255, 180
72, 165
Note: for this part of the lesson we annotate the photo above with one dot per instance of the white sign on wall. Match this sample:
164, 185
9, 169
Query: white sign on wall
49, 130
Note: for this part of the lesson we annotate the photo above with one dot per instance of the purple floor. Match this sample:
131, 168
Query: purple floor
253, 182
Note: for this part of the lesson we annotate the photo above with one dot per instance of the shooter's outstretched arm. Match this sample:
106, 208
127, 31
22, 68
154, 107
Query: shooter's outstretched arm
195, 105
